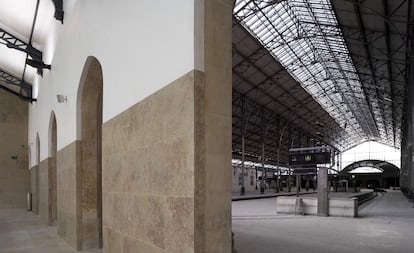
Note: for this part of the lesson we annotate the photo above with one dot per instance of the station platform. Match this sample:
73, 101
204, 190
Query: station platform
271, 194
267, 194
385, 225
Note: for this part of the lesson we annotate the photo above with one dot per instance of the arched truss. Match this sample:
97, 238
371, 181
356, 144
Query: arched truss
383, 166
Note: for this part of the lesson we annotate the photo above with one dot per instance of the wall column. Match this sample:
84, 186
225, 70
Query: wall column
323, 192
213, 127
409, 117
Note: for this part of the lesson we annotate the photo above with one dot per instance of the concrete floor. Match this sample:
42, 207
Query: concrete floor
21, 231
385, 225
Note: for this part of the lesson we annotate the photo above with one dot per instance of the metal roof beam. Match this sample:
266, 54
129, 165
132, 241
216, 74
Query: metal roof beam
296, 55
7, 78
59, 13
308, 133
409, 34
370, 64
389, 68
285, 91
330, 51
388, 20
13, 42
256, 9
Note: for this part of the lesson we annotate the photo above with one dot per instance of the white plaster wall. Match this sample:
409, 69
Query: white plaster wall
142, 45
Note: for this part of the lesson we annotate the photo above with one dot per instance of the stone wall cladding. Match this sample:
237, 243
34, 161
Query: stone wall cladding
34, 189
213, 128
68, 214
148, 173
14, 167
44, 203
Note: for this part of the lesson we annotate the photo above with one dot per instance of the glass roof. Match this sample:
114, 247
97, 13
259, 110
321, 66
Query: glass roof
365, 170
304, 36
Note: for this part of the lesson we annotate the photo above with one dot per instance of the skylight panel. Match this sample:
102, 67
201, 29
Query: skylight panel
305, 37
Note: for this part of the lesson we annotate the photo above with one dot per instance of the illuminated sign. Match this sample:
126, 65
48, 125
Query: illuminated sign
297, 159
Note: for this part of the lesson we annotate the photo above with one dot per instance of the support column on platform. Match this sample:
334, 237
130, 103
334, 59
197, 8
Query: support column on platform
243, 137
323, 192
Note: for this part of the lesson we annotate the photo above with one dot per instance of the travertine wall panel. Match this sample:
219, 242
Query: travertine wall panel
167, 159
53, 169
148, 173
44, 192
68, 214
14, 185
15, 176
34, 186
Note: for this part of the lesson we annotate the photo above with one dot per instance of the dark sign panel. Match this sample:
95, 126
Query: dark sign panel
298, 159
304, 171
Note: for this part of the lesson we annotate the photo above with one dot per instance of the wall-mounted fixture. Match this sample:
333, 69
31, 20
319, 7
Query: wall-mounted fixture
61, 98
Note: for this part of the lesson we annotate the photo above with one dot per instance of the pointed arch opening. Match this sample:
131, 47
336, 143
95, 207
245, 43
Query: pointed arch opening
52, 170
90, 135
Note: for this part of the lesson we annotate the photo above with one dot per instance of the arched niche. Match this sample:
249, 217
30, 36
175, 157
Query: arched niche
52, 170
89, 115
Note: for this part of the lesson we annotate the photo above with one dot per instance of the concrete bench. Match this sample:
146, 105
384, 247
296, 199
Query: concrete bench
340, 207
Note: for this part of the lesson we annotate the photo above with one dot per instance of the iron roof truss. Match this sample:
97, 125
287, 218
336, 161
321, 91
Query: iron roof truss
318, 72
34, 57
25, 91
6, 78
362, 90
256, 106
378, 46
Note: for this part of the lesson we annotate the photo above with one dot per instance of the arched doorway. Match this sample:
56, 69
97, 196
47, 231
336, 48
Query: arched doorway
90, 129
52, 175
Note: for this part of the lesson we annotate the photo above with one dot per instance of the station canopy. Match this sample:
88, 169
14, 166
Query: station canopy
304, 71
332, 70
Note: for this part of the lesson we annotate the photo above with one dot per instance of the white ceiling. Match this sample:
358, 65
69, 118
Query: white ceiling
16, 18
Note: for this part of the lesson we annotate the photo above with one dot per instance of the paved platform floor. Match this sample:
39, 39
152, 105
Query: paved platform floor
386, 225
21, 231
